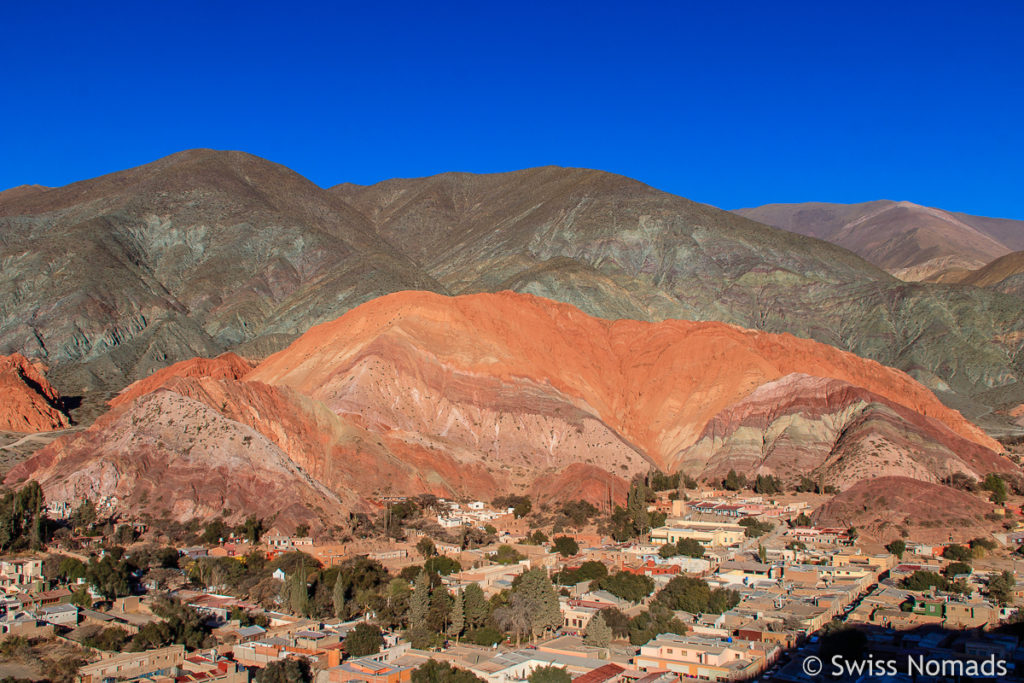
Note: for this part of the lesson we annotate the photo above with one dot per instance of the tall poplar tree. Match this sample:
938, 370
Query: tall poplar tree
338, 597
419, 603
458, 619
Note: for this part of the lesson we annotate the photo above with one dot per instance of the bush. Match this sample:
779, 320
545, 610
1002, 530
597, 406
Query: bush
956, 552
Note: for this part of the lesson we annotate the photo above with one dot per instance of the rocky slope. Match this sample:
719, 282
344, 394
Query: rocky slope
110, 279
1005, 274
30, 403
619, 249
481, 394
911, 241
883, 508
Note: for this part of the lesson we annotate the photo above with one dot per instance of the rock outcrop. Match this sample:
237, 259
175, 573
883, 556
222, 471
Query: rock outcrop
29, 403
224, 366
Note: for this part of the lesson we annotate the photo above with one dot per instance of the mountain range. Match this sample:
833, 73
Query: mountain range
911, 241
111, 279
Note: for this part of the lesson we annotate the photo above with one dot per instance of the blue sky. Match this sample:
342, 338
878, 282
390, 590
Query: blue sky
730, 103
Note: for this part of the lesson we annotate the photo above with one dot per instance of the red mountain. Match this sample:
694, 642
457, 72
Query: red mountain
481, 394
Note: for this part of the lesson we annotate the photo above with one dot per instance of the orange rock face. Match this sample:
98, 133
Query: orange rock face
656, 384
30, 403
485, 394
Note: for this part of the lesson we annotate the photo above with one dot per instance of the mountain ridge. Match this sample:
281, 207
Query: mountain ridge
203, 252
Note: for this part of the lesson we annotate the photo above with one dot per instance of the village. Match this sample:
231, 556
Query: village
681, 583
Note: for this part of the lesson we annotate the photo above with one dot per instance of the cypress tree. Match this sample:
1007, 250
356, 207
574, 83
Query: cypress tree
419, 602
458, 618
298, 592
599, 633
338, 596
474, 606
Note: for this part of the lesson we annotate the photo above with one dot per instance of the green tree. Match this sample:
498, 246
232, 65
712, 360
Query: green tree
441, 564
806, 485
251, 530
84, 515
690, 547
579, 511
955, 569
338, 596
668, 550
537, 597
802, 520
522, 508
655, 620
755, 528
506, 554
598, 633
588, 571
363, 640
419, 603
617, 621
298, 591
767, 485
537, 537
628, 586
475, 606
549, 674
566, 546
694, 595
485, 636
426, 548
923, 580
291, 670
439, 611
214, 531
433, 671
733, 481
957, 552
1000, 587
109, 577
997, 486
636, 507
81, 598
897, 548
762, 554
458, 616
